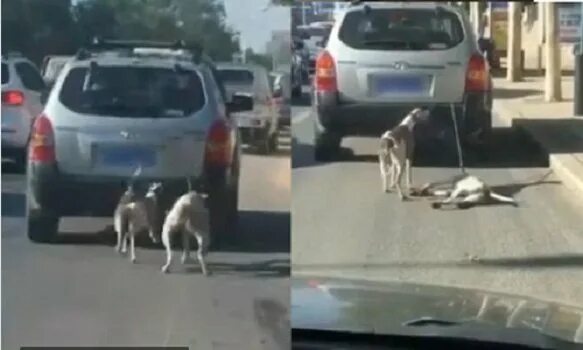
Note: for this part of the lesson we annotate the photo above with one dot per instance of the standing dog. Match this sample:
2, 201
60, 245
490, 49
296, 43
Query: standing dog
189, 216
467, 191
136, 213
397, 149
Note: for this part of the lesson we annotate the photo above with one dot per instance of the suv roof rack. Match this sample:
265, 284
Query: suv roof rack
99, 45
11, 54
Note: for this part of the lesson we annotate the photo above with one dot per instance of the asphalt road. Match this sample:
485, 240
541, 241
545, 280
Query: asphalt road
345, 226
80, 292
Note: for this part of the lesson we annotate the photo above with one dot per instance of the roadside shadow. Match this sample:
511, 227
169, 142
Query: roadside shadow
258, 232
272, 268
574, 261
508, 148
13, 204
500, 93
561, 136
261, 232
529, 73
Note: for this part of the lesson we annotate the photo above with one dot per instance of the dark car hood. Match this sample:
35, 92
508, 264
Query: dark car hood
330, 304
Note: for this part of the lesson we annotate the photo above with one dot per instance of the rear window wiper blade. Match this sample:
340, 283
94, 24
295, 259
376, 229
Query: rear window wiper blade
432, 321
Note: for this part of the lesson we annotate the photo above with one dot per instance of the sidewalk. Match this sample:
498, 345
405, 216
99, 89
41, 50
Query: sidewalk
552, 125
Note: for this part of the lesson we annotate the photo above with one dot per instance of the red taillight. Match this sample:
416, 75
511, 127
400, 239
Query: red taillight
477, 75
218, 146
42, 141
325, 72
12, 98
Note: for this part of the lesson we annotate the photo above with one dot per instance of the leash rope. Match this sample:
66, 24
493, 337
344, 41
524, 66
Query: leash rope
457, 139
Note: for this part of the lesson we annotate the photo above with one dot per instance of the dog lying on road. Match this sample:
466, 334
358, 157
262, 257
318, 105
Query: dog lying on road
397, 149
467, 191
188, 216
134, 214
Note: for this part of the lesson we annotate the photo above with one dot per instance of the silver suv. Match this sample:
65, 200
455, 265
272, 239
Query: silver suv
384, 58
119, 105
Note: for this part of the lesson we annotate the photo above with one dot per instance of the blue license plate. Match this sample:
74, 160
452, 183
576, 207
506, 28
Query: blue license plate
399, 84
128, 156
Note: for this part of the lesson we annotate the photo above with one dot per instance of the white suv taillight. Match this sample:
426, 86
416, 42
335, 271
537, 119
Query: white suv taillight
477, 75
325, 75
41, 147
218, 145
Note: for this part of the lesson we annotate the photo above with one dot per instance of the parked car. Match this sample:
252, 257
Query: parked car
249, 84
281, 86
384, 59
22, 87
117, 106
52, 66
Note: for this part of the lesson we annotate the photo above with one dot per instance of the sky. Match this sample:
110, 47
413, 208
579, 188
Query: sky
255, 25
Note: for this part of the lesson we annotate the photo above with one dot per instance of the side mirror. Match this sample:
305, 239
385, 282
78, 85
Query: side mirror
277, 92
298, 45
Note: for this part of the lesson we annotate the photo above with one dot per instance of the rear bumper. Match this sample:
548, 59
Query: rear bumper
16, 126
70, 195
357, 118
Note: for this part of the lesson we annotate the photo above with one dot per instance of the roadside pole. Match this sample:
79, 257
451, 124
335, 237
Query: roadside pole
552, 54
514, 48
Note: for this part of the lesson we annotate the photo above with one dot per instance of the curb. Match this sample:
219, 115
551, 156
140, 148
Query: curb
567, 167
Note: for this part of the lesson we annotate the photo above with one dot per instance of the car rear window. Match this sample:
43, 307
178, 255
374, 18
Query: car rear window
5, 73
401, 29
146, 92
236, 76
30, 76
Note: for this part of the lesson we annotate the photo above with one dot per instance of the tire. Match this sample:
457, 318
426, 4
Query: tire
326, 146
42, 227
223, 215
20, 160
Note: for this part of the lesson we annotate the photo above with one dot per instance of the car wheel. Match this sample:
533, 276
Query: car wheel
20, 161
326, 146
42, 227
223, 215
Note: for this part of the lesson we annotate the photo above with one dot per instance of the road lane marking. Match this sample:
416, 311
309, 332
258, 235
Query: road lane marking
301, 117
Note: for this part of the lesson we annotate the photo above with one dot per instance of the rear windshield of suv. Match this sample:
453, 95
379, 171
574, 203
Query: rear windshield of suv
236, 76
401, 29
5, 72
133, 92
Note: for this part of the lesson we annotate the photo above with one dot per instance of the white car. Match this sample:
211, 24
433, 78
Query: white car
249, 84
282, 93
22, 86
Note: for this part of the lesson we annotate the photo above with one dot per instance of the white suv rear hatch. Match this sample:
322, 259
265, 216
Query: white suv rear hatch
400, 54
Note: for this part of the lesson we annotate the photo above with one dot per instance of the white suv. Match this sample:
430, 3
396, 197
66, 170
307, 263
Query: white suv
22, 86
121, 105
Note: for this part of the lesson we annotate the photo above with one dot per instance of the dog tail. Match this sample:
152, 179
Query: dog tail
134, 176
189, 183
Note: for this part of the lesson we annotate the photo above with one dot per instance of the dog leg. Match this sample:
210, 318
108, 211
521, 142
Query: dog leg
384, 168
124, 242
167, 242
399, 175
201, 251
133, 246
185, 247
409, 175
503, 199
452, 197
470, 200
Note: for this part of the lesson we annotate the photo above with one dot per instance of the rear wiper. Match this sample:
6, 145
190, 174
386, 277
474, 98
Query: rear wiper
410, 45
431, 321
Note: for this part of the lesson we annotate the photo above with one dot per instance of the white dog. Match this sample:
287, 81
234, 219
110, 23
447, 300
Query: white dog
468, 190
189, 216
136, 213
397, 149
